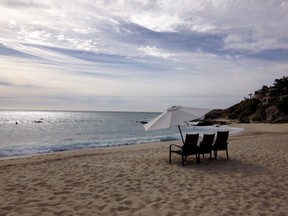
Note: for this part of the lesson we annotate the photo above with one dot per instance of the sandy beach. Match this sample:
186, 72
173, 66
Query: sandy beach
138, 180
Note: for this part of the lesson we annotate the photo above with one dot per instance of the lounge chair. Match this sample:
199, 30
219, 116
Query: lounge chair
206, 145
189, 148
221, 143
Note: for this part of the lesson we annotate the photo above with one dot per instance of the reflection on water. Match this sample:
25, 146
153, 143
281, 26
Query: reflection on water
40, 132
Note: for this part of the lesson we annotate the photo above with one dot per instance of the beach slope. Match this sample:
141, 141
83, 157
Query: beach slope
138, 180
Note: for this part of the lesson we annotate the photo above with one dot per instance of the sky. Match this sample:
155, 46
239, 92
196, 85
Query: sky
139, 55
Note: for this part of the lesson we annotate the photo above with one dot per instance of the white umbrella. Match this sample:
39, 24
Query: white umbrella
174, 116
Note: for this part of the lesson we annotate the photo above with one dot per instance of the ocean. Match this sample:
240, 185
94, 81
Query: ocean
37, 132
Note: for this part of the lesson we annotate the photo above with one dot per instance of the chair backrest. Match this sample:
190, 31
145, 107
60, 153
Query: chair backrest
221, 140
207, 141
190, 144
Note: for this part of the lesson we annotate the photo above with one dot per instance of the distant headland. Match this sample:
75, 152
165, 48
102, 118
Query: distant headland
268, 104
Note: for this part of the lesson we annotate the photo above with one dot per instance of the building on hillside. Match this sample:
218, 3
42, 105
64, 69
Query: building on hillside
266, 95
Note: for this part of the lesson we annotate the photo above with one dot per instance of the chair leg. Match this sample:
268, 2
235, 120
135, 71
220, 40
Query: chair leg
210, 156
215, 154
170, 155
227, 154
183, 160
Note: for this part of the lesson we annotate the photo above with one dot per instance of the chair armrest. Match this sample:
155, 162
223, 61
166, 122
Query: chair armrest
174, 145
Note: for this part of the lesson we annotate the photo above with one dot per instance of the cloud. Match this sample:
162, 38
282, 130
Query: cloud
154, 51
140, 52
3, 83
104, 27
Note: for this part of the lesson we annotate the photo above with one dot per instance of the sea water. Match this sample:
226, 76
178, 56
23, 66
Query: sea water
38, 132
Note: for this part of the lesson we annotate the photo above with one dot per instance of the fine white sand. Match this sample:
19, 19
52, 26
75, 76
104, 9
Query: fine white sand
138, 180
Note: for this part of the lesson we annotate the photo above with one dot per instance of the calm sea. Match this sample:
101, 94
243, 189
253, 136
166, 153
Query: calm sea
37, 132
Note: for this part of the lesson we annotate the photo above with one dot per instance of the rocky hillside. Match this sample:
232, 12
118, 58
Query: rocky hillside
254, 110
250, 111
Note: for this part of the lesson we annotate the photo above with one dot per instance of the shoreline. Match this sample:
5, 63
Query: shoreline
233, 131
138, 179
248, 129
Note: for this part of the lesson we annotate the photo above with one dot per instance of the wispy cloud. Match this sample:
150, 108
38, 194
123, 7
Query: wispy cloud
134, 55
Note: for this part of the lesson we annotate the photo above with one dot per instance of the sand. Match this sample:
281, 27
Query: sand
138, 180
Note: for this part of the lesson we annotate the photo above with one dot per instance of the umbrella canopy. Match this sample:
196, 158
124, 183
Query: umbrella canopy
174, 116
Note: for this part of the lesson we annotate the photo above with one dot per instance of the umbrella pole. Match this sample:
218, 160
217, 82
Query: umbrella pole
181, 134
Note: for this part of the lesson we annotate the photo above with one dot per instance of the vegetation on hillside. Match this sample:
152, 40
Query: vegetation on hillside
276, 110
